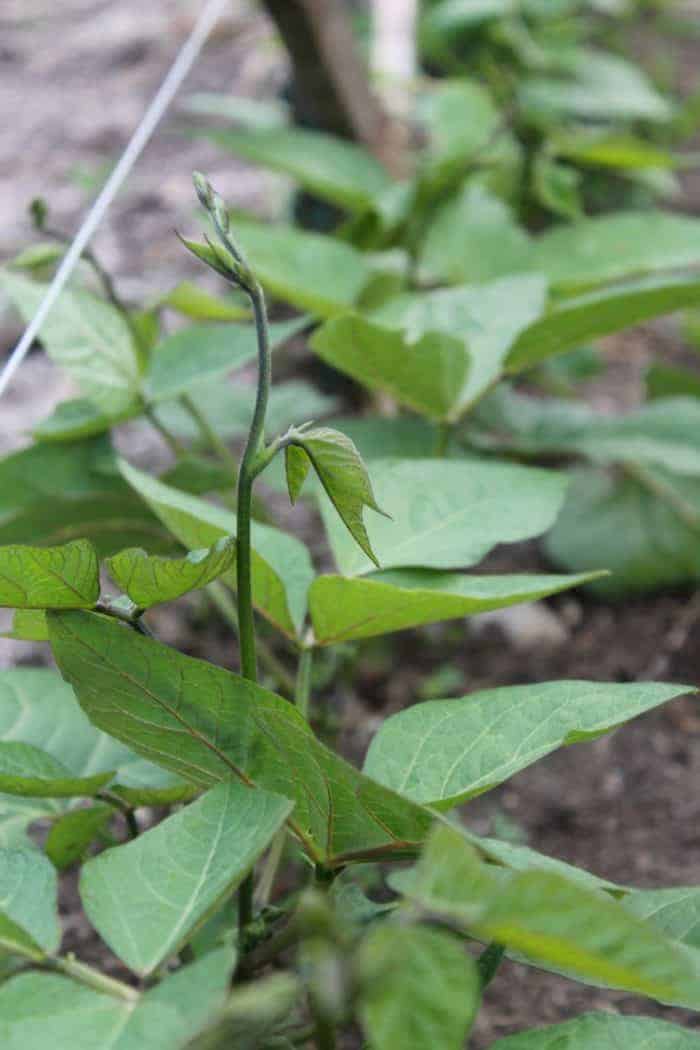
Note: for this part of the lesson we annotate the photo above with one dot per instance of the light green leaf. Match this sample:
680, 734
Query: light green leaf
444, 752
573, 322
426, 374
251, 1014
87, 337
344, 477
73, 833
28, 625
39, 1010
605, 150
200, 305
472, 238
149, 579
38, 708
207, 351
28, 771
604, 1031
447, 514
211, 725
296, 468
676, 911
616, 247
377, 438
28, 903
282, 570
643, 526
345, 609
308, 270
49, 577
487, 317
72, 420
422, 988
342, 172
178, 872
54, 493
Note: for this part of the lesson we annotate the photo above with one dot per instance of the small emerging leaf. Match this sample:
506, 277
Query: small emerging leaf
344, 476
64, 577
296, 466
149, 579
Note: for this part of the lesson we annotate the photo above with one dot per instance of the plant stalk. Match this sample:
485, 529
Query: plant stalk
85, 974
302, 689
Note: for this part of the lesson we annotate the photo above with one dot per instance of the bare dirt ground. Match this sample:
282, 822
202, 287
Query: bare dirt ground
74, 79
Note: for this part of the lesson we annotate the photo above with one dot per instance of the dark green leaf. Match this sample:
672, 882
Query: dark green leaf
664, 380
444, 752
149, 579
178, 871
210, 725
72, 834
49, 577
296, 468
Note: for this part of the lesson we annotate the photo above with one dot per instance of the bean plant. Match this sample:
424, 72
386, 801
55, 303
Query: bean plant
253, 887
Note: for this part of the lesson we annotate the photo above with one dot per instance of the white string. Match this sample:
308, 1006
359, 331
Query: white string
166, 92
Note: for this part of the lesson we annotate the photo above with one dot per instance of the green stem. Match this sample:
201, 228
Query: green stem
70, 966
173, 443
302, 690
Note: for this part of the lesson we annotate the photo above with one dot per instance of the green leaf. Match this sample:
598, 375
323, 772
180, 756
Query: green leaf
664, 380
54, 493
282, 570
49, 577
79, 418
211, 725
296, 467
573, 322
557, 187
344, 477
178, 872
87, 337
426, 374
28, 625
444, 752
342, 172
550, 921
149, 579
39, 709
252, 1013
73, 833
604, 1031
472, 238
28, 771
345, 609
676, 911
200, 305
28, 903
377, 438
207, 351
642, 525
422, 988
39, 1010
448, 514
308, 270
488, 318
615, 247
605, 150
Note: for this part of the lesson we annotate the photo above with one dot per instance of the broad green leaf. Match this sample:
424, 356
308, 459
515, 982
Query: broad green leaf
343, 475
345, 609
28, 903
307, 270
665, 433
676, 911
210, 725
72, 420
39, 709
28, 771
72, 834
426, 374
54, 493
377, 438
28, 625
447, 514
643, 525
39, 1010
296, 468
87, 337
178, 872
444, 752
282, 570
422, 988
615, 247
604, 1031
488, 318
522, 858
49, 577
664, 380
206, 351
200, 305
472, 238
149, 579
573, 322
329, 167
550, 921
606, 150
